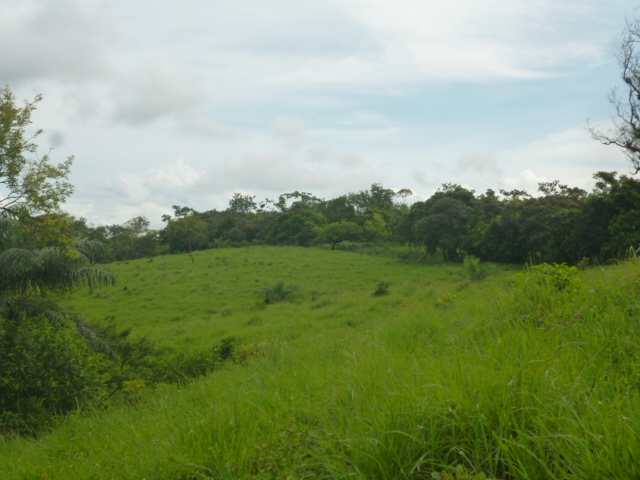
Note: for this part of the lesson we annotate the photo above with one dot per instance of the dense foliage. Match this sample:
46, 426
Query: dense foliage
561, 224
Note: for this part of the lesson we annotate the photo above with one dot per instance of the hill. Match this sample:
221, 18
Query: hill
520, 375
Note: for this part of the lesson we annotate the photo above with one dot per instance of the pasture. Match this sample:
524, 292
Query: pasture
439, 377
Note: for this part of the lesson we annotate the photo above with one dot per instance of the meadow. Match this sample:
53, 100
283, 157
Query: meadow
376, 368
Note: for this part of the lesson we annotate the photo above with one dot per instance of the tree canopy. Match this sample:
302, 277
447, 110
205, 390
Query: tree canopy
28, 184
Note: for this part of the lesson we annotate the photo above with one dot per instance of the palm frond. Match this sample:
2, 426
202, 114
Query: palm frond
90, 248
17, 266
19, 308
94, 339
50, 269
9, 233
92, 278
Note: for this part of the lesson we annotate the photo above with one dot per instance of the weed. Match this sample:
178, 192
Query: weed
382, 289
277, 292
459, 473
545, 290
445, 302
474, 269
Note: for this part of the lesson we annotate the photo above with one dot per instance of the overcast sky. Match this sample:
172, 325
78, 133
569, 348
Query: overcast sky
184, 103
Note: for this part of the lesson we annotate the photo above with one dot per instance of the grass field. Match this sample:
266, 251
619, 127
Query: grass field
442, 377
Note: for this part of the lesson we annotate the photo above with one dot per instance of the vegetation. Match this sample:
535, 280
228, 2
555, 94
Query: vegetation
180, 374
28, 186
526, 374
47, 367
277, 292
561, 225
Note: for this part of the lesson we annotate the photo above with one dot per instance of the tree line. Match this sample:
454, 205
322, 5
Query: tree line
559, 224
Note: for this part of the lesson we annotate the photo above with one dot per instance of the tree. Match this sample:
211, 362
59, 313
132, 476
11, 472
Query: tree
376, 200
133, 239
404, 193
444, 227
242, 203
376, 229
337, 232
187, 232
27, 186
297, 226
48, 364
626, 127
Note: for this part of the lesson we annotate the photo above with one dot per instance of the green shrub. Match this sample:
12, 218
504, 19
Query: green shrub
557, 276
46, 370
545, 290
474, 269
197, 363
277, 292
382, 289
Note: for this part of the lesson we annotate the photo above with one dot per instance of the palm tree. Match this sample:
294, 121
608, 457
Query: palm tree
45, 366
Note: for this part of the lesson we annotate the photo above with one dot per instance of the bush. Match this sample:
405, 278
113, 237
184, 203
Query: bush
197, 363
277, 292
546, 290
47, 370
474, 269
382, 289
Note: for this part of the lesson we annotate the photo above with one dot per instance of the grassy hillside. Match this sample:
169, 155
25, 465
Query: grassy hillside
532, 376
183, 305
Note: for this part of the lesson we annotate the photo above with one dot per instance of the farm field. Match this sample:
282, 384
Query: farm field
523, 374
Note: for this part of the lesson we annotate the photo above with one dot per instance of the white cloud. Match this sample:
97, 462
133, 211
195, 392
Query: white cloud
326, 96
570, 156
52, 39
573, 147
466, 40
478, 163
531, 177
166, 180
196, 123
292, 133
155, 91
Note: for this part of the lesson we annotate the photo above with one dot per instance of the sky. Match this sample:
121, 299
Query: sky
185, 103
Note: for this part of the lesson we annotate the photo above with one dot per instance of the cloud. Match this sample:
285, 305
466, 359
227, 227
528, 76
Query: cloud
466, 40
531, 177
571, 148
158, 90
57, 39
328, 96
322, 29
276, 172
422, 179
174, 179
292, 133
570, 156
479, 163
195, 123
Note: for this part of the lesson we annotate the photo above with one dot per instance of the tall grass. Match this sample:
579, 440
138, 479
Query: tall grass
507, 382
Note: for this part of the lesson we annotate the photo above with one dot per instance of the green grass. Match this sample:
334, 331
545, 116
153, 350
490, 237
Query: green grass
499, 379
181, 305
